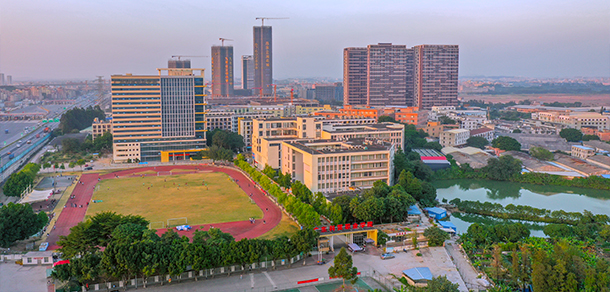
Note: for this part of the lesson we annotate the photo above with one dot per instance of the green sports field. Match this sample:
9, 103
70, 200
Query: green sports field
158, 198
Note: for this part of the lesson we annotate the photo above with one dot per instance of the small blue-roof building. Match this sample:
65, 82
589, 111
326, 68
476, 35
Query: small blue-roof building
448, 225
418, 276
436, 212
413, 211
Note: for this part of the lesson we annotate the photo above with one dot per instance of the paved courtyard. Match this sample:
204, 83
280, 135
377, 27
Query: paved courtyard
15, 277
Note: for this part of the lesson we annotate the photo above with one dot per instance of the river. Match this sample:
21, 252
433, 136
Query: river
538, 196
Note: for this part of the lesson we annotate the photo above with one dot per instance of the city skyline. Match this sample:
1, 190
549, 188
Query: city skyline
77, 40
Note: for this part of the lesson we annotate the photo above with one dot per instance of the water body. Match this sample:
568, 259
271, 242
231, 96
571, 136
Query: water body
538, 196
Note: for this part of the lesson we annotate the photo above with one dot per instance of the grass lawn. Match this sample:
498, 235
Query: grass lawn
221, 201
286, 227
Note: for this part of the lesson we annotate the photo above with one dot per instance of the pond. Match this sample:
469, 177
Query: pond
538, 196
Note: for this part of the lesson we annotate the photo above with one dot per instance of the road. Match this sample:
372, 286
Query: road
18, 136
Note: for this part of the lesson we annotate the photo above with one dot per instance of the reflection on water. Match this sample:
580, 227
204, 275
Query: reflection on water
538, 196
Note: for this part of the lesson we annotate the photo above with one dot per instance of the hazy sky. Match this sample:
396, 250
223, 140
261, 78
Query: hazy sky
84, 38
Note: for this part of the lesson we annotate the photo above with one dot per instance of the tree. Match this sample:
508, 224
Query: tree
541, 153
503, 168
382, 237
506, 143
478, 142
436, 237
70, 145
590, 137
215, 153
72, 163
46, 165
441, 284
516, 131
386, 119
304, 241
446, 120
18, 222
571, 135
343, 268
79, 118
80, 163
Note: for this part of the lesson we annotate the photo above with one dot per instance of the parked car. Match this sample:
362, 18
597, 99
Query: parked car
354, 247
89, 168
386, 256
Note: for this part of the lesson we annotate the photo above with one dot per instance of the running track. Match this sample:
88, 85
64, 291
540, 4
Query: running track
70, 216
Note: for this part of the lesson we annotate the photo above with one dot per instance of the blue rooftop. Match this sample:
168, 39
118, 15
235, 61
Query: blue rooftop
447, 224
413, 210
435, 210
422, 273
606, 175
583, 147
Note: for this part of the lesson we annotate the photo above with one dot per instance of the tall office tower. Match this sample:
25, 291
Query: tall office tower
263, 59
354, 76
247, 72
222, 71
9, 79
1, 78
178, 64
435, 75
158, 117
387, 75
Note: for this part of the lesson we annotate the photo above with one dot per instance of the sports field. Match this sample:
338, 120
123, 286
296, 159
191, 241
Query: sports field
158, 198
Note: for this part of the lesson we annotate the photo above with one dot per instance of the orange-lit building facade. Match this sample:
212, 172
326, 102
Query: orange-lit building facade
350, 112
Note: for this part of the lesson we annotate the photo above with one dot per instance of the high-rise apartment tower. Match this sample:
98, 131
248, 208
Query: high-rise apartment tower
435, 75
263, 59
222, 71
386, 74
247, 72
354, 76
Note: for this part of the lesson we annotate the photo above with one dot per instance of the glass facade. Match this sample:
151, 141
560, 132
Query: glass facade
177, 106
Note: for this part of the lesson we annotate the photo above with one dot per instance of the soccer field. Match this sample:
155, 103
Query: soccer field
158, 198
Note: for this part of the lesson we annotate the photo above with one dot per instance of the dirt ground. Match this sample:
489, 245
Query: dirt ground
586, 99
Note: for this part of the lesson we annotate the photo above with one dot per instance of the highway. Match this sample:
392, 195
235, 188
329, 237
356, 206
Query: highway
19, 136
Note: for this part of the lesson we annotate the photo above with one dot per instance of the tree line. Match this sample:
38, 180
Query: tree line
131, 250
19, 181
514, 260
102, 143
528, 213
76, 119
18, 222
304, 213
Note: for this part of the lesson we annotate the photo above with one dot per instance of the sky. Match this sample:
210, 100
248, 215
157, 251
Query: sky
76, 39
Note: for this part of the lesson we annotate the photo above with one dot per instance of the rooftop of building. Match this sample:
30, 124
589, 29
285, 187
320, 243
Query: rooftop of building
323, 146
480, 131
602, 159
597, 144
583, 147
579, 165
346, 128
457, 131
428, 152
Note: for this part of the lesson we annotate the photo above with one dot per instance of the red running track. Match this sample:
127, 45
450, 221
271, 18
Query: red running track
272, 215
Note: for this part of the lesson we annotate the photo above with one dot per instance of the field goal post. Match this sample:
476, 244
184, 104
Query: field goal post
154, 225
177, 221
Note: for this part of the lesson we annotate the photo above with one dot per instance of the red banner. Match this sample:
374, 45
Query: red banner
344, 227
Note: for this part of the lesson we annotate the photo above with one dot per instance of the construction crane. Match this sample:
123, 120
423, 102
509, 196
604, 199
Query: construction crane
274, 92
183, 56
222, 40
262, 19
291, 95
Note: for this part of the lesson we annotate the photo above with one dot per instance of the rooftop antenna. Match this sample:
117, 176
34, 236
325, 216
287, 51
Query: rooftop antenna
222, 40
